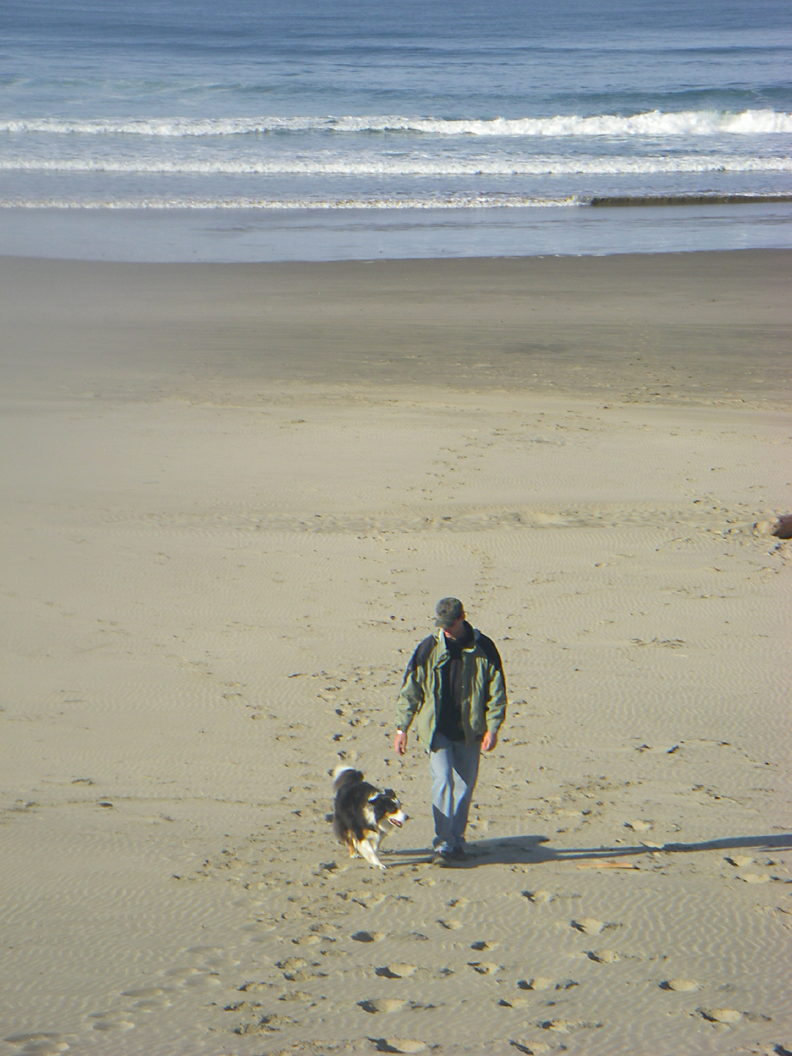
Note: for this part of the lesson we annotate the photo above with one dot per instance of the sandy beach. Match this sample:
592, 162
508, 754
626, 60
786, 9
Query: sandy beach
231, 496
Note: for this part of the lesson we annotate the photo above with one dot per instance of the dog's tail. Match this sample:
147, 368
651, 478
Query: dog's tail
344, 775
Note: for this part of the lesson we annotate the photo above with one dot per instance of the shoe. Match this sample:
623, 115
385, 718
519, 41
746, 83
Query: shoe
450, 857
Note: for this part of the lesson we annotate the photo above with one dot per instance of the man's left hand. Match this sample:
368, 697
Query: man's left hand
489, 741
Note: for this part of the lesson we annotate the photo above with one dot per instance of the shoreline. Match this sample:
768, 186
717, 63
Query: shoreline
339, 230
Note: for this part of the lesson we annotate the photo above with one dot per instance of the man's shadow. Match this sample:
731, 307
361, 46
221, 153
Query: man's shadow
533, 850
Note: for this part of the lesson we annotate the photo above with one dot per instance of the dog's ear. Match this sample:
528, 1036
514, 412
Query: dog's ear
389, 793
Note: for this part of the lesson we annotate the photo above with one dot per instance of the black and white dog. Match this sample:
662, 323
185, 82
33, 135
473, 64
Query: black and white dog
363, 814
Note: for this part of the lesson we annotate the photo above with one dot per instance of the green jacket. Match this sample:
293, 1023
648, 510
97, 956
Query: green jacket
483, 688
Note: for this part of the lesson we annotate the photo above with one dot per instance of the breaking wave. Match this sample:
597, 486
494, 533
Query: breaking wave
655, 123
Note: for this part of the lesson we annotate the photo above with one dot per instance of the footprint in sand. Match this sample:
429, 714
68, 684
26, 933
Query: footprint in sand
638, 825
384, 1004
295, 995
396, 971
193, 977
561, 1026
116, 1019
39, 1043
603, 956
485, 967
514, 1002
754, 878
400, 1045
564, 1026
150, 997
539, 982
369, 936
739, 860
721, 1015
588, 925
539, 897
682, 986
484, 944
311, 940
255, 988
450, 925
297, 969
213, 956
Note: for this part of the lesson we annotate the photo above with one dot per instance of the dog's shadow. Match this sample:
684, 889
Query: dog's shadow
533, 850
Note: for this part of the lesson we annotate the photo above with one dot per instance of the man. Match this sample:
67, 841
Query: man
455, 692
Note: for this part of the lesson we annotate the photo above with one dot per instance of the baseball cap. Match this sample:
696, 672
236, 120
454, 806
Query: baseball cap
449, 610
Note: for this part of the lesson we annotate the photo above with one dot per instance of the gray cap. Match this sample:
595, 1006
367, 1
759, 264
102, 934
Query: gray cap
449, 610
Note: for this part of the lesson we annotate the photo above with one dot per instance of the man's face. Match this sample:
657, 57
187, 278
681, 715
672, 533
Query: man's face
456, 630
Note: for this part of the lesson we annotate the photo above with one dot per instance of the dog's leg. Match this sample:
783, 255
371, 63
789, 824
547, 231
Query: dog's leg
370, 854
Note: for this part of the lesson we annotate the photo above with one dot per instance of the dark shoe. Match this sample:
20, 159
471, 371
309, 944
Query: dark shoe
450, 857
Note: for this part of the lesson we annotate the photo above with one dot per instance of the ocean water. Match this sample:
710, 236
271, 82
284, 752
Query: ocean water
283, 129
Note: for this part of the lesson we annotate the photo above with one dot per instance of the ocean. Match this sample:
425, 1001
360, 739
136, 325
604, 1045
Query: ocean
300, 129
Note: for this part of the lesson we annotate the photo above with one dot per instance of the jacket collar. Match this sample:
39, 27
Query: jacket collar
441, 641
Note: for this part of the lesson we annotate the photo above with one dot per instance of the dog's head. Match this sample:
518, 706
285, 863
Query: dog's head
387, 810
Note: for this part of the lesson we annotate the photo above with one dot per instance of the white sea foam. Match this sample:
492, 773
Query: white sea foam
655, 123
329, 204
455, 201
421, 165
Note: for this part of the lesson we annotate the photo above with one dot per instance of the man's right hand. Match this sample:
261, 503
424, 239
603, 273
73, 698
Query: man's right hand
400, 742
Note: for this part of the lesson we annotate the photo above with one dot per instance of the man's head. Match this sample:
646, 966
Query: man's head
450, 616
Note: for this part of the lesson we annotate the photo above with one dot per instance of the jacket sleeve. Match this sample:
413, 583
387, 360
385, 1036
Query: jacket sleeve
496, 703
411, 696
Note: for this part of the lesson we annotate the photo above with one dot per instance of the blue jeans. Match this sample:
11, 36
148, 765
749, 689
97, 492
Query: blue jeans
454, 768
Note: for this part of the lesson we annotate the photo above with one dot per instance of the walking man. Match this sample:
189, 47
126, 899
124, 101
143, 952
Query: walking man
455, 692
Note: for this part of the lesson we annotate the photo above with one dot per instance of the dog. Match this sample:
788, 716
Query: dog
363, 814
